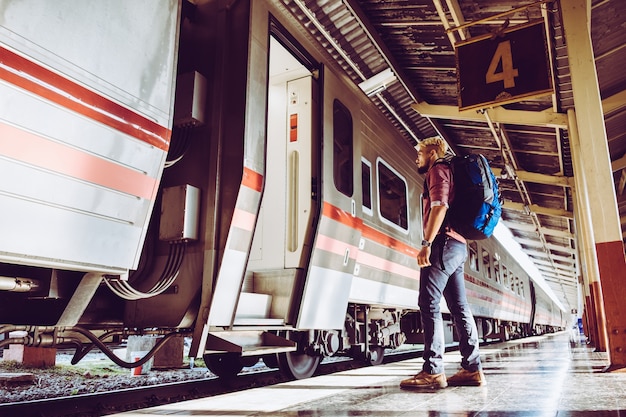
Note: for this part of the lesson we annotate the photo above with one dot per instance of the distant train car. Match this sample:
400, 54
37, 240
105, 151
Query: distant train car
213, 173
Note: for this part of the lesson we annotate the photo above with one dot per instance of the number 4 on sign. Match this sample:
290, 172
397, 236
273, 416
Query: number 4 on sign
508, 73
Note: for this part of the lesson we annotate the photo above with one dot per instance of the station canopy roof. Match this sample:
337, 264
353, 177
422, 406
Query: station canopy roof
411, 46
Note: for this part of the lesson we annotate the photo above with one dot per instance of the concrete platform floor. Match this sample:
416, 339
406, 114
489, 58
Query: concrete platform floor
543, 376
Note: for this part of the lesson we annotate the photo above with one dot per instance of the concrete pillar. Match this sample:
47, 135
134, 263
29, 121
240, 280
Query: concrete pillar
136, 348
35, 357
598, 177
585, 242
170, 355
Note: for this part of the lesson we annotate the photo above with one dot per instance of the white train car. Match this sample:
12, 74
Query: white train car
209, 171
85, 125
504, 299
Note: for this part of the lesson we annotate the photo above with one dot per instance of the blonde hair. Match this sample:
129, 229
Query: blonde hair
436, 143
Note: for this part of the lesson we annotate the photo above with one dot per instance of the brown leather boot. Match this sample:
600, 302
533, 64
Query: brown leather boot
465, 378
424, 380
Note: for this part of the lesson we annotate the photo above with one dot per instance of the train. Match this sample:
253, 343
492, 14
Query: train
206, 169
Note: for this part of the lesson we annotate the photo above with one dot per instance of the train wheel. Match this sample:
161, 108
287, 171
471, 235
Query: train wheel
224, 365
298, 365
376, 355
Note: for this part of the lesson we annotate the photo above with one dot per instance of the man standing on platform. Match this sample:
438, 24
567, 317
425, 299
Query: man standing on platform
441, 259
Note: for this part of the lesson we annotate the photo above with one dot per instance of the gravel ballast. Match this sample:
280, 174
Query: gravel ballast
95, 373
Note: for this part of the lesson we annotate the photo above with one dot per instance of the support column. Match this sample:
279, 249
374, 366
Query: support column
585, 240
598, 177
589, 320
31, 356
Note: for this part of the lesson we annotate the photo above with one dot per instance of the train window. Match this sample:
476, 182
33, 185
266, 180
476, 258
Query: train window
505, 276
514, 283
392, 196
472, 255
343, 172
487, 264
521, 288
366, 181
496, 269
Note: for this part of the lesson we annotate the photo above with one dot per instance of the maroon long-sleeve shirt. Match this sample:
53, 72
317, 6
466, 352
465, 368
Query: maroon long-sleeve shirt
440, 193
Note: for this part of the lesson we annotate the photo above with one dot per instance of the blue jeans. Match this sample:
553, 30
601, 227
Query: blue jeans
448, 281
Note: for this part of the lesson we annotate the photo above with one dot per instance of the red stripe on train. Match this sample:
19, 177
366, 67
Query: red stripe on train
37, 151
80, 99
252, 179
367, 232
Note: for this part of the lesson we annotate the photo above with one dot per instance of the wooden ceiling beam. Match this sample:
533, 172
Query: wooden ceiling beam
570, 262
622, 183
559, 270
538, 178
546, 118
616, 102
546, 231
550, 246
534, 208
619, 163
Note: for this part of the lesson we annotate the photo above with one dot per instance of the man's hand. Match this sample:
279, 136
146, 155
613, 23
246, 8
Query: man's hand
423, 257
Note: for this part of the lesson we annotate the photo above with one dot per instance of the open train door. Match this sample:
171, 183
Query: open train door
287, 159
300, 188
283, 234
289, 206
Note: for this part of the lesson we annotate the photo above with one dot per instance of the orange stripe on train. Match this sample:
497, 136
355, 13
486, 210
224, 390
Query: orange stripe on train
37, 151
368, 232
252, 179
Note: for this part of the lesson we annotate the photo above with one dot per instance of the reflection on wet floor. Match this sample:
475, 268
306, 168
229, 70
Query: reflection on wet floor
540, 376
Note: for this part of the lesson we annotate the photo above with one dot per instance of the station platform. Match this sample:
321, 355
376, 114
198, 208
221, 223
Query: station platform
543, 376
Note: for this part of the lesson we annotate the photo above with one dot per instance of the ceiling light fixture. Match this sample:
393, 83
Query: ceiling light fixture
378, 82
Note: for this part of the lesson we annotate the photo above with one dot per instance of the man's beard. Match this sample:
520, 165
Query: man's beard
422, 169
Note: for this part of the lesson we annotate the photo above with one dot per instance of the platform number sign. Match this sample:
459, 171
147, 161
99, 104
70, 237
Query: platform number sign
501, 66
504, 68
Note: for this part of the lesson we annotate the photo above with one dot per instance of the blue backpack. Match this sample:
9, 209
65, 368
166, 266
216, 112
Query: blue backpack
477, 203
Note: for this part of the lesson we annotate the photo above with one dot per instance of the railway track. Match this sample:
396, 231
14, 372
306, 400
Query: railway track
105, 403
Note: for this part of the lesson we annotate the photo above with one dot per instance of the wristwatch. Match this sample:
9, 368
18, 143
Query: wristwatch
426, 243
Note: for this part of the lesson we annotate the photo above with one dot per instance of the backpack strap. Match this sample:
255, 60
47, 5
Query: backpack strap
445, 225
438, 161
